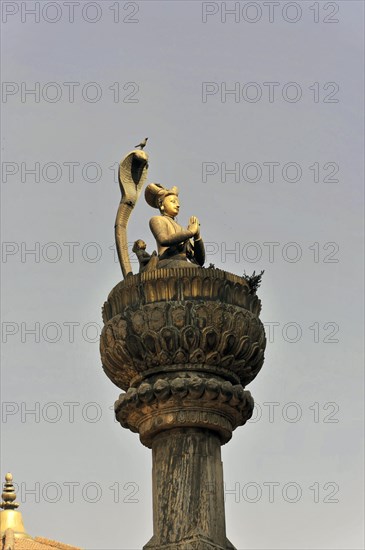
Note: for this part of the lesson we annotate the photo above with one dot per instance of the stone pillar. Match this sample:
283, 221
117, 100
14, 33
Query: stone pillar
183, 343
188, 478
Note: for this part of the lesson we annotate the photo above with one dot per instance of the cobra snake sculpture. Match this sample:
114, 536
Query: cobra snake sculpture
132, 176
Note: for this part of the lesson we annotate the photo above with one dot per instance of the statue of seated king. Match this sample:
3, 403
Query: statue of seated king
176, 246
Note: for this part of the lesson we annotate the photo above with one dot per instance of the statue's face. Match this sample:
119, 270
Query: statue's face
171, 205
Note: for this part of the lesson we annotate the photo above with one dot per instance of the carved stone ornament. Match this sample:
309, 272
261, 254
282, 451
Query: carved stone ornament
182, 345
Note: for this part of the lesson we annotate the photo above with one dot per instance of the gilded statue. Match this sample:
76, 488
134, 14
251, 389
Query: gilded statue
146, 261
177, 246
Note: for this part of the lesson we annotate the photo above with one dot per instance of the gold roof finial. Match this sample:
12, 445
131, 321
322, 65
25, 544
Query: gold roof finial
9, 494
11, 521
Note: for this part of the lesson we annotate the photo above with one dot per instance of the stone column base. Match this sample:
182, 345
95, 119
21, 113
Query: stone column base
195, 542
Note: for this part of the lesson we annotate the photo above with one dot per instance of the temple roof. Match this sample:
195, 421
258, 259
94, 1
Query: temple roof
13, 534
11, 542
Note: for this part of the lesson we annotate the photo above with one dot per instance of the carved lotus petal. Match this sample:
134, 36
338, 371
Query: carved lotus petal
178, 317
156, 318
119, 402
212, 389
190, 337
163, 358
218, 318
240, 322
228, 343
257, 360
198, 356
240, 365
210, 339
201, 316
254, 330
131, 395
243, 348
122, 352
169, 339
151, 342
161, 389
108, 338
196, 387
179, 387
227, 361
196, 286
226, 391
239, 392
213, 358
138, 322
135, 347
119, 327
181, 356
207, 288
145, 393
253, 352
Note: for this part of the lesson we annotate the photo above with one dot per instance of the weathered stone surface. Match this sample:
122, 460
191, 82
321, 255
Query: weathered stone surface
177, 284
194, 542
188, 480
184, 400
219, 329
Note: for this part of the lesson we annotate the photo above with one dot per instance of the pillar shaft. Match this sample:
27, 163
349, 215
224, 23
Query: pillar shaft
188, 495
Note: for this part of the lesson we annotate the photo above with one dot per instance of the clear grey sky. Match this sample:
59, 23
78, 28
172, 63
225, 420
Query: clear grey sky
257, 117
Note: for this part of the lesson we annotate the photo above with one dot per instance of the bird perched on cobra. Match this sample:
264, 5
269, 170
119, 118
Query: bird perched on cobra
142, 144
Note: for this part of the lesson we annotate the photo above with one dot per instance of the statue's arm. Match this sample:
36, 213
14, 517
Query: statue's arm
199, 251
143, 257
160, 230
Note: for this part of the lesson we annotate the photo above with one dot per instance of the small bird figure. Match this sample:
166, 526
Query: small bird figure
142, 144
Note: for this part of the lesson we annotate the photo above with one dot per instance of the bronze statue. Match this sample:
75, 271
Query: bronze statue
177, 246
147, 261
132, 175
